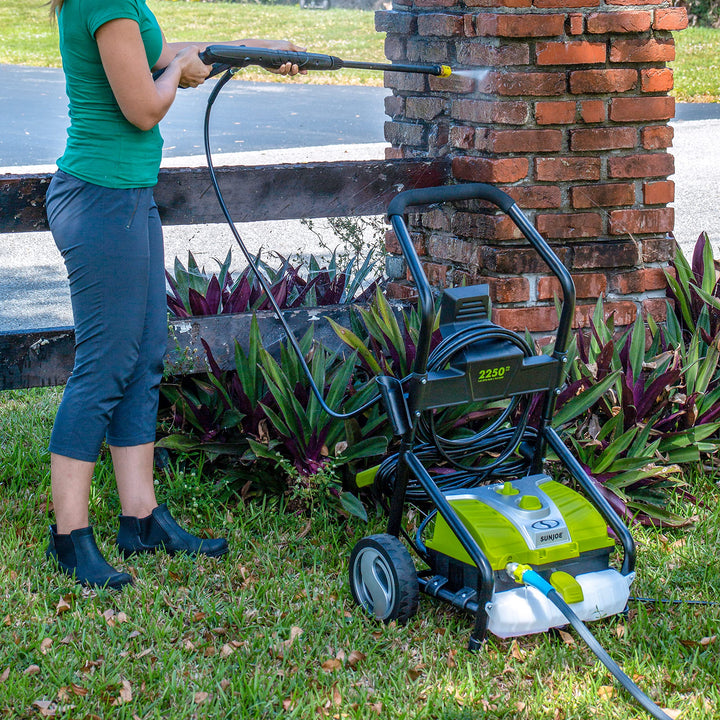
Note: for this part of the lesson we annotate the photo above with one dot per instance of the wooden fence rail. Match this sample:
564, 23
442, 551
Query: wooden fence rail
32, 358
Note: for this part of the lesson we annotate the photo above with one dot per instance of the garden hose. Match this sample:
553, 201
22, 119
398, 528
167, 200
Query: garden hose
525, 574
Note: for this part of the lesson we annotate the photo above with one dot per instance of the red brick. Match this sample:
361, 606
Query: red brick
422, 50
638, 281
435, 219
429, 3
453, 84
489, 111
642, 109
508, 290
395, 48
660, 192
570, 53
602, 81
517, 261
447, 247
519, 26
658, 250
642, 50
398, 133
552, 112
656, 79
619, 22
485, 227
592, 111
440, 24
611, 195
641, 166
657, 307
478, 54
413, 82
565, 3
392, 153
567, 168
587, 256
394, 105
424, 108
575, 24
609, 138
536, 196
523, 83
512, 141
657, 137
468, 25
393, 246
587, 285
392, 21
502, 170
634, 2
499, 3
540, 318
436, 274
624, 313
670, 19
400, 291
655, 220
567, 226
462, 136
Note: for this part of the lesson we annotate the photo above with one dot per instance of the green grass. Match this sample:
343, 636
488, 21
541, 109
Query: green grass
208, 639
27, 38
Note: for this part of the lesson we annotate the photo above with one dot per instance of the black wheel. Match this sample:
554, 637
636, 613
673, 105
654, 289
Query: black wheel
383, 580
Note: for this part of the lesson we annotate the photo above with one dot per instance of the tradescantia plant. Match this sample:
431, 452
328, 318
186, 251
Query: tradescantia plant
262, 415
193, 291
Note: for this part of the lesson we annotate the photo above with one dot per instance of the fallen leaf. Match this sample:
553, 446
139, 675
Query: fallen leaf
620, 631
415, 673
674, 714
62, 606
567, 638
134, 634
451, 658
5, 675
7, 621
47, 708
354, 658
376, 707
121, 617
224, 684
45, 645
331, 665
606, 692
201, 697
78, 690
708, 640
336, 695
31, 670
516, 652
520, 706
124, 694
288, 704
198, 616
227, 650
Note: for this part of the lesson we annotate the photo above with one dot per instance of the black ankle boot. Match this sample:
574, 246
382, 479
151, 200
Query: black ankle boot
77, 555
159, 531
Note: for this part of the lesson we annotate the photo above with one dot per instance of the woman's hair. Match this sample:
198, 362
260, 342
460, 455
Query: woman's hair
55, 5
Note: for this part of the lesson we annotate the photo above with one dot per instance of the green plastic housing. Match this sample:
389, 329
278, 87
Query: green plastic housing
501, 542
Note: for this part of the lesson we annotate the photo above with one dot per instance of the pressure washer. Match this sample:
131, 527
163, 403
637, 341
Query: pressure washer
501, 539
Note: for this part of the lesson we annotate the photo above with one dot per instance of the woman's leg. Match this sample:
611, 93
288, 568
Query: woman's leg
134, 477
70, 480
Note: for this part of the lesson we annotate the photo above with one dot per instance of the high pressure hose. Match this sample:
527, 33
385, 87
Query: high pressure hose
525, 574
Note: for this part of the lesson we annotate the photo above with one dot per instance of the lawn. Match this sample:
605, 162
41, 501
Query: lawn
27, 38
272, 631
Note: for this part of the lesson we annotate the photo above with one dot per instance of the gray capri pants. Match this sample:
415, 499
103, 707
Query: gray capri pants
112, 245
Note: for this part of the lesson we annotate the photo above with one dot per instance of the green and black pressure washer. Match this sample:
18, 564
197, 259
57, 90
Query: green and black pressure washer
501, 539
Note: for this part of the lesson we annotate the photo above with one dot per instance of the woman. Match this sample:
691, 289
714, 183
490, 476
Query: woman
105, 223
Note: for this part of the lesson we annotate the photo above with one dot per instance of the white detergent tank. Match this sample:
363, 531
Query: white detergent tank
525, 610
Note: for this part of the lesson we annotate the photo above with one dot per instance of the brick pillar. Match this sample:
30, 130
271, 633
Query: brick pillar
568, 113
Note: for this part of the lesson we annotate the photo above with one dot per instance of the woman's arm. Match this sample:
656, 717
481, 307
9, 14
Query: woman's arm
144, 102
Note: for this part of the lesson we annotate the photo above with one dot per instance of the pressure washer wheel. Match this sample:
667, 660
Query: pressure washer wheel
383, 580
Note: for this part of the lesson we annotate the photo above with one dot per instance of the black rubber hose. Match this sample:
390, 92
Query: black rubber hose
605, 658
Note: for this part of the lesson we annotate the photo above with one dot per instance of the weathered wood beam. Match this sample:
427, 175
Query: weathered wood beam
264, 192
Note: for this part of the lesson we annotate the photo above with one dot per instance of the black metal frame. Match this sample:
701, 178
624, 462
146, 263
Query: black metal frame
398, 400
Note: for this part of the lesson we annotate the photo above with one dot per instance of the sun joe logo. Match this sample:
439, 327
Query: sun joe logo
496, 373
549, 532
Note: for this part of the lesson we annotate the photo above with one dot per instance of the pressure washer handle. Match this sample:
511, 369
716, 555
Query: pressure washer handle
474, 191
242, 56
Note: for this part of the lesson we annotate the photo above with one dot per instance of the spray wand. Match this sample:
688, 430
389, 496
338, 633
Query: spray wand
227, 56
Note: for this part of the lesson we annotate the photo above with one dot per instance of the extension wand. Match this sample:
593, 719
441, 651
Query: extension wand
227, 56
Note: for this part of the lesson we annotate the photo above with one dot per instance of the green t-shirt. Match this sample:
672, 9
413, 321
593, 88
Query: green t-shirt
102, 146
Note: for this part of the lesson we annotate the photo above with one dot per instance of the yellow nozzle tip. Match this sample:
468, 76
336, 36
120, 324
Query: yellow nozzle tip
445, 71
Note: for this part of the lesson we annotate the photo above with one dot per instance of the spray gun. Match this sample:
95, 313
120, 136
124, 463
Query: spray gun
226, 56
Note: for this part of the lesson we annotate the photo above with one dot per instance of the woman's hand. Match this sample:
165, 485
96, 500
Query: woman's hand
193, 71
286, 68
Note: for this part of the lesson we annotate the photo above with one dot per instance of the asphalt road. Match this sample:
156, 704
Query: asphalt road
257, 123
